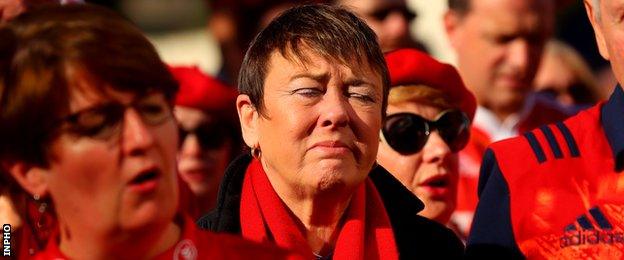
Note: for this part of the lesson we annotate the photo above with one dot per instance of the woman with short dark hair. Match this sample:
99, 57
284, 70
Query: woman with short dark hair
314, 87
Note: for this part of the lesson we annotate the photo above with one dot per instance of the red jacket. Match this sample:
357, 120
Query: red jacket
556, 192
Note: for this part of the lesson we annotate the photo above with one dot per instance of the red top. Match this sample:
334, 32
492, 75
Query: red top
198, 244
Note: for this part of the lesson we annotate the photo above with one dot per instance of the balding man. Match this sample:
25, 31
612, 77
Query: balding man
557, 192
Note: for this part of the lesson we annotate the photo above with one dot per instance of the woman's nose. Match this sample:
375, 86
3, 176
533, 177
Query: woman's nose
334, 110
436, 149
136, 136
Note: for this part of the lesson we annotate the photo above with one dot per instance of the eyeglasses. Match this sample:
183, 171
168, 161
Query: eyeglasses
104, 121
382, 14
209, 136
408, 133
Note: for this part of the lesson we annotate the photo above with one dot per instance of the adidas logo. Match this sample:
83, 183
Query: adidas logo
584, 231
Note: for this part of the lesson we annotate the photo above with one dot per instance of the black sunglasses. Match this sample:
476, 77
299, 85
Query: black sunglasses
209, 136
408, 133
381, 14
104, 121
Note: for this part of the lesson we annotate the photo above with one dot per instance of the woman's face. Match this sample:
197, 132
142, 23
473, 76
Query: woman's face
120, 182
319, 131
202, 164
432, 173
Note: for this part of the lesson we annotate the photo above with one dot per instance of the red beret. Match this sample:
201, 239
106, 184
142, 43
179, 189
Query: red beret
201, 91
412, 67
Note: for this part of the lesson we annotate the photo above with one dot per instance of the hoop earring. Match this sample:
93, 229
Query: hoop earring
255, 152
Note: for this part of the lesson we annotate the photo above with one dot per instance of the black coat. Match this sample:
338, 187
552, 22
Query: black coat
416, 236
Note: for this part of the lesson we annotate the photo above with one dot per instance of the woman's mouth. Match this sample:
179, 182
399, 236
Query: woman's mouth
436, 187
332, 148
146, 181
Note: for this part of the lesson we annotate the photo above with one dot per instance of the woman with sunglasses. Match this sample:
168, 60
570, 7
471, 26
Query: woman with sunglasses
87, 125
209, 136
427, 124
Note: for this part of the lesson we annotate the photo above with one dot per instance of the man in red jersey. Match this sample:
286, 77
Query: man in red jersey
556, 192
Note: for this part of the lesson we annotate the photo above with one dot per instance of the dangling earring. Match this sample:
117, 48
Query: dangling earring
255, 152
42, 220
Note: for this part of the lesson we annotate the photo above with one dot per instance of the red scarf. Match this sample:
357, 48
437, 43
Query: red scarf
365, 234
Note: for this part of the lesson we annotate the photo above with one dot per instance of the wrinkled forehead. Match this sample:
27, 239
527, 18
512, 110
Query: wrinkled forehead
306, 59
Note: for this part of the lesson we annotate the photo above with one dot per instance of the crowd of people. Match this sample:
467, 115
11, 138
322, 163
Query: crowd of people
329, 133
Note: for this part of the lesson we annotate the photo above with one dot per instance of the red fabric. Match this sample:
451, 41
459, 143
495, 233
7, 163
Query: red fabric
201, 91
366, 233
549, 200
198, 244
470, 159
412, 67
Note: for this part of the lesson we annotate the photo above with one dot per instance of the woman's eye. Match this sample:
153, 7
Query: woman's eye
309, 92
360, 96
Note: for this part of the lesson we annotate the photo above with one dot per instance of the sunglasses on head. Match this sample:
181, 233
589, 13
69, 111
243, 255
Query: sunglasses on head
104, 121
383, 13
209, 136
408, 133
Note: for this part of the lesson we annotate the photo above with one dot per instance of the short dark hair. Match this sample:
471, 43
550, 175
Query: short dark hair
330, 31
459, 6
39, 52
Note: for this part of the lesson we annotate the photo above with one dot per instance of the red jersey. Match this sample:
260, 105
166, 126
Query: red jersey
556, 192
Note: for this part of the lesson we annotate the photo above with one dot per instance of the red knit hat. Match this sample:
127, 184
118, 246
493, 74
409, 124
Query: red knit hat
201, 91
412, 67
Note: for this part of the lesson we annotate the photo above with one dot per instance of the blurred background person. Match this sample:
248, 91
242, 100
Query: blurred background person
10, 9
564, 76
104, 152
389, 19
209, 134
498, 44
555, 192
314, 88
427, 124
234, 23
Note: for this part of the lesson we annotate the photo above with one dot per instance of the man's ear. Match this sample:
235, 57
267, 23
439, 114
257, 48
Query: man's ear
452, 21
31, 178
248, 116
600, 40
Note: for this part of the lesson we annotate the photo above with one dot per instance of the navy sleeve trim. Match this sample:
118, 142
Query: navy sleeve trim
535, 146
554, 146
491, 234
574, 151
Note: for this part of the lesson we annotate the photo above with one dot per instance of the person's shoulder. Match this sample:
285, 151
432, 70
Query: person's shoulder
431, 239
557, 140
